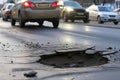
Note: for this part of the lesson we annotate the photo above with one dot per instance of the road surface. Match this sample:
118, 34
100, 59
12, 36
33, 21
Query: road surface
19, 50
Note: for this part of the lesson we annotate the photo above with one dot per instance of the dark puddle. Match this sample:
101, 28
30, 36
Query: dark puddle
73, 59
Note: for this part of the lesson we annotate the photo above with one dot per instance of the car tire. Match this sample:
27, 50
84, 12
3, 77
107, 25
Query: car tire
55, 23
65, 17
99, 20
115, 23
21, 21
86, 20
40, 23
13, 21
4, 19
72, 20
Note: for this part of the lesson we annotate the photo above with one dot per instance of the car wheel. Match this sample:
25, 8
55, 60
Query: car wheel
40, 23
65, 17
21, 21
55, 23
86, 20
115, 23
99, 20
4, 19
72, 20
13, 21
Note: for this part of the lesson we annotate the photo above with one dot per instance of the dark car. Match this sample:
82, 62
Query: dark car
72, 10
35, 11
6, 11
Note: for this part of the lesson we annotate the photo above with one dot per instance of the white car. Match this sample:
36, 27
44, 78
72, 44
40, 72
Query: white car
102, 14
118, 12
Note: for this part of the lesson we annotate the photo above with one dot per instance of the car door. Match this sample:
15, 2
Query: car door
95, 14
119, 12
3, 10
92, 12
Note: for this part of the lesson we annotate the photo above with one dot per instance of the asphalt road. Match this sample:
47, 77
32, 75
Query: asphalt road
101, 35
18, 50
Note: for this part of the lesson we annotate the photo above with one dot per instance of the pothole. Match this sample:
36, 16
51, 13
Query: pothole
73, 59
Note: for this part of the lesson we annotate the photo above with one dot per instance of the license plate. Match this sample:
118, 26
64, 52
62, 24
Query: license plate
43, 5
80, 13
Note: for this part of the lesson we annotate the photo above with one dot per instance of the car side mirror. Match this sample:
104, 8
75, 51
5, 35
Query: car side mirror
3, 9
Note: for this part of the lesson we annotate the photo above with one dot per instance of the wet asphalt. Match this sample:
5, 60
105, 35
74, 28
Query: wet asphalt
18, 58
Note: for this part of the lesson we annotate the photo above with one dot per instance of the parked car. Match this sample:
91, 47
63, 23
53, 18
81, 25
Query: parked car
72, 10
0, 13
102, 14
6, 11
118, 12
35, 11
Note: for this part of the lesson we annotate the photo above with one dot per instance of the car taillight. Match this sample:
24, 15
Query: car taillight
55, 4
28, 4
8, 12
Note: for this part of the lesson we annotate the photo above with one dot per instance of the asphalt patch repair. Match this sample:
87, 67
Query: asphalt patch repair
70, 59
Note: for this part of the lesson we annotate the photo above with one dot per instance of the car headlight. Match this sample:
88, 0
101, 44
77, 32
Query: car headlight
69, 9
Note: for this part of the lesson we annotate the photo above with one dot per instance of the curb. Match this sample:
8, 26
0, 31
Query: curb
94, 24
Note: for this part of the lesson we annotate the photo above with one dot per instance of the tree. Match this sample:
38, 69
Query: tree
94, 1
104, 1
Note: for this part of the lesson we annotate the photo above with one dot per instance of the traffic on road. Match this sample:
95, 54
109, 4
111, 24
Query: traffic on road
54, 10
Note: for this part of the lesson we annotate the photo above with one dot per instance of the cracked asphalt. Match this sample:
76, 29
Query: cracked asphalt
19, 55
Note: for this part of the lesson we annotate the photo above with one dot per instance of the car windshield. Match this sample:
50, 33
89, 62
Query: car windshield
72, 3
105, 9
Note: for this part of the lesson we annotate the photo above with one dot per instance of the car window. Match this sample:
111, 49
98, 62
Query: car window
9, 6
72, 3
105, 9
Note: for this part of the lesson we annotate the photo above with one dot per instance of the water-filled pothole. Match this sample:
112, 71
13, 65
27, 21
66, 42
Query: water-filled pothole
73, 59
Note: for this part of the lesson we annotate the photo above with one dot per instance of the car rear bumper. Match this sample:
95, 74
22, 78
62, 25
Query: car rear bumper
29, 14
7, 16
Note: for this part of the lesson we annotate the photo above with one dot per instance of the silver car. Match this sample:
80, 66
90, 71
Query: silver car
102, 14
35, 11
